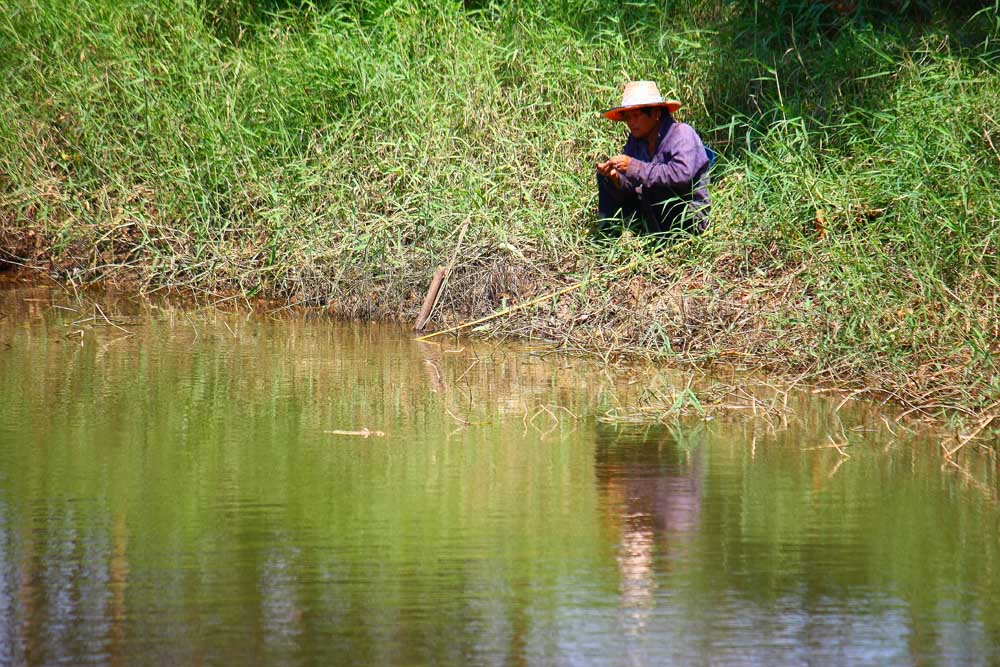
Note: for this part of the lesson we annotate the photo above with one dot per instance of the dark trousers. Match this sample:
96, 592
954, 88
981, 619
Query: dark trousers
617, 210
620, 209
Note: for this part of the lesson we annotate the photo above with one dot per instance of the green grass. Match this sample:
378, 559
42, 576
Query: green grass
329, 152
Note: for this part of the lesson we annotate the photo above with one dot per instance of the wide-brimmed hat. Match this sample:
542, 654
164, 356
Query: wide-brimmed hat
639, 94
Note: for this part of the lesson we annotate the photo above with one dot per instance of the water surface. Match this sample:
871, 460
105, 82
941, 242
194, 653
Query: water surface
172, 492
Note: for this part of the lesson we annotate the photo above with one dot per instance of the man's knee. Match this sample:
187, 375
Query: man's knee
613, 201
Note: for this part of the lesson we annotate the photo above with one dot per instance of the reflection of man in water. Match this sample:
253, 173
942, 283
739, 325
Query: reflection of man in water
652, 492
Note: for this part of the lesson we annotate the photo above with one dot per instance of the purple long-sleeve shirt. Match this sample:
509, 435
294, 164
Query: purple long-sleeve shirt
670, 185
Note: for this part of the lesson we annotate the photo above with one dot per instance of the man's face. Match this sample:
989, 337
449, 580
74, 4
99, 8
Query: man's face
641, 124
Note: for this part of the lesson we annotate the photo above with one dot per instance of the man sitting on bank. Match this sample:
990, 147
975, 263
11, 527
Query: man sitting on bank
661, 178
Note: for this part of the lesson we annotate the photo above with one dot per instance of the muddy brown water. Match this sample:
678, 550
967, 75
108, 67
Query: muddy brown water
185, 485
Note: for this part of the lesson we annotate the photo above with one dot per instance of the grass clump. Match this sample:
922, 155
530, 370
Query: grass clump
328, 152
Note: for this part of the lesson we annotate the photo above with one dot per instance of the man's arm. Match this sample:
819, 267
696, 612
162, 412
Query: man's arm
686, 158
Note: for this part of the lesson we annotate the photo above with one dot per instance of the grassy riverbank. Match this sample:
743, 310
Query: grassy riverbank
329, 153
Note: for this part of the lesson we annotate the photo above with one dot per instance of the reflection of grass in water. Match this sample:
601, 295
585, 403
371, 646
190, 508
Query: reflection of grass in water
680, 402
469, 383
688, 437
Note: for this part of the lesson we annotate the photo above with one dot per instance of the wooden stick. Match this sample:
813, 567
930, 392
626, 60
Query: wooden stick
430, 299
451, 265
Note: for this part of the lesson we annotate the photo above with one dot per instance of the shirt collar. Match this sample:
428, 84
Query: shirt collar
665, 124
661, 132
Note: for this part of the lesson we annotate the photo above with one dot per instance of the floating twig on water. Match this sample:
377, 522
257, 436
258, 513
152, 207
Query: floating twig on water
363, 433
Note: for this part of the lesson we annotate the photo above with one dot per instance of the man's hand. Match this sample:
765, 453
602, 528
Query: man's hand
620, 163
606, 169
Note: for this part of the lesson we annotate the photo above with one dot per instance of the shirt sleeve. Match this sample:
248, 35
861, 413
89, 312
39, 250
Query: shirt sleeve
677, 162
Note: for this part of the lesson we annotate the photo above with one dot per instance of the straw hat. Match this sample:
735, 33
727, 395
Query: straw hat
639, 94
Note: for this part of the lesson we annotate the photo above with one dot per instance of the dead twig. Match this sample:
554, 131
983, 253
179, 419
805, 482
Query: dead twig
983, 423
110, 322
363, 433
839, 447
